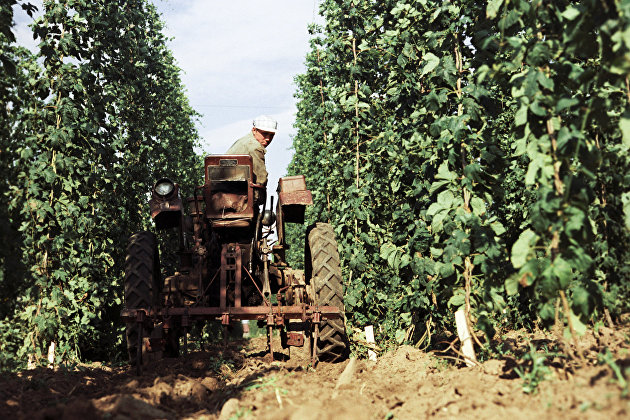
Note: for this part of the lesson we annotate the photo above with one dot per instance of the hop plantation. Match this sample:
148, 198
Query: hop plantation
468, 153
88, 124
472, 154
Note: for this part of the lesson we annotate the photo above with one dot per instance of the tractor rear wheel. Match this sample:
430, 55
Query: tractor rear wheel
323, 274
142, 283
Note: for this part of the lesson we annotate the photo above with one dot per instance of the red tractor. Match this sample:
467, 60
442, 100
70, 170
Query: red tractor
231, 269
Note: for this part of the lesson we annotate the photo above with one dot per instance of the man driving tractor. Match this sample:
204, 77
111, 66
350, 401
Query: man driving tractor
254, 144
229, 267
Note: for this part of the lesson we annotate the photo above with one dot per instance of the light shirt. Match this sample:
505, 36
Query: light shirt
248, 145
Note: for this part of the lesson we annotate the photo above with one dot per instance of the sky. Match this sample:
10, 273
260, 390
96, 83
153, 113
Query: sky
238, 61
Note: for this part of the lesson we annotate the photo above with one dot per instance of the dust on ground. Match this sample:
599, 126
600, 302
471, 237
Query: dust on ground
239, 381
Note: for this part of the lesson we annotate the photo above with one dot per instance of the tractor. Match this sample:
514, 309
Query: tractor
231, 266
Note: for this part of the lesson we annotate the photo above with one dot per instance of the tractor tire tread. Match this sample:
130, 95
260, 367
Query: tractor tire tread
325, 276
139, 281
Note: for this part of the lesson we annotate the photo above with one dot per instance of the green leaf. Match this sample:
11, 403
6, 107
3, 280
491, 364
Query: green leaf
458, 299
625, 199
624, 126
436, 223
409, 51
438, 185
547, 311
434, 208
545, 81
405, 260
580, 299
8, 64
520, 146
520, 118
387, 249
391, 254
493, 8
522, 248
26, 153
511, 284
431, 61
478, 206
562, 270
49, 175
538, 109
400, 336
565, 103
444, 173
402, 61
570, 13
578, 326
498, 228
445, 199
538, 161
436, 252
395, 185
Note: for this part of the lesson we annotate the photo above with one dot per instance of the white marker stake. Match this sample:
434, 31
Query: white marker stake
369, 337
464, 337
51, 354
31, 362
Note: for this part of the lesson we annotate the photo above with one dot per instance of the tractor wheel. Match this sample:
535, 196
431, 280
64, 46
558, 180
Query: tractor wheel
142, 283
323, 273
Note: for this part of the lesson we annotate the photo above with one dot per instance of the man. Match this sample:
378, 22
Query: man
254, 144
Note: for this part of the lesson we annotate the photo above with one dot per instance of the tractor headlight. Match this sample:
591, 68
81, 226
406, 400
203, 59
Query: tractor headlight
164, 187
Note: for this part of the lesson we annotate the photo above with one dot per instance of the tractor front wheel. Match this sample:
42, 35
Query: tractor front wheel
323, 274
142, 284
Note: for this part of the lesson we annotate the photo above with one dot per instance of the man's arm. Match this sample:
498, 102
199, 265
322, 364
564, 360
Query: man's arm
260, 170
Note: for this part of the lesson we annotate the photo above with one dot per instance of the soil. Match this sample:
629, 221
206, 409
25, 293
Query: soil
240, 381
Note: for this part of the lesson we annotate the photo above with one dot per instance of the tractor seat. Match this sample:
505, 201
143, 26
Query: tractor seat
228, 192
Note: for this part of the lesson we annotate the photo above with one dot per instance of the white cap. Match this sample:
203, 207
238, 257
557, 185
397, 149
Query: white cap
266, 123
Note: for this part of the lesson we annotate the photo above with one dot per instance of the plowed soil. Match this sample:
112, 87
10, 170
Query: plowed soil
240, 381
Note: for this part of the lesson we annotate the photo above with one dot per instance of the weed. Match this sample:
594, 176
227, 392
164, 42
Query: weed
241, 412
488, 351
533, 371
608, 358
265, 384
440, 363
219, 365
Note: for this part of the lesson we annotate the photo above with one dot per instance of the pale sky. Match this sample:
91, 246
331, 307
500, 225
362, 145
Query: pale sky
238, 61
